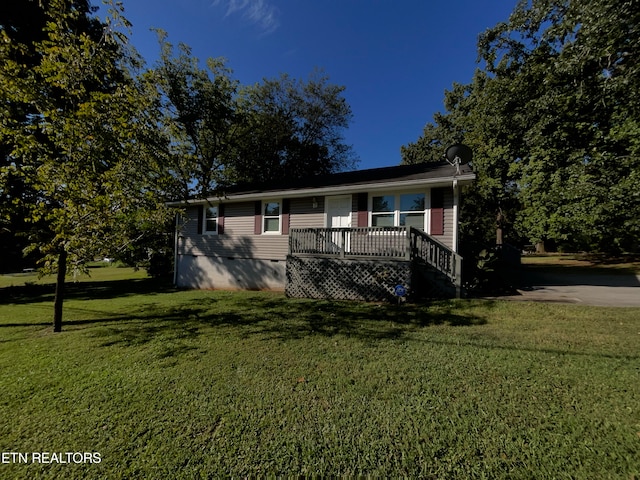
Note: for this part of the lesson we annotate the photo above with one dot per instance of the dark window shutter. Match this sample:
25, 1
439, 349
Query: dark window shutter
220, 219
257, 219
437, 211
285, 216
200, 218
363, 205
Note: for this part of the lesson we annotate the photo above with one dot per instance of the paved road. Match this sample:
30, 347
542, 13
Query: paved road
553, 285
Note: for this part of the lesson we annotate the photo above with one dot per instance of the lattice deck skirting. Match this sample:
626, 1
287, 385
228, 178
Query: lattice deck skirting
341, 279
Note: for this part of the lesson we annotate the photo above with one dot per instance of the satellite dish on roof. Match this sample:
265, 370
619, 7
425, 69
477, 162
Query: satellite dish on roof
458, 154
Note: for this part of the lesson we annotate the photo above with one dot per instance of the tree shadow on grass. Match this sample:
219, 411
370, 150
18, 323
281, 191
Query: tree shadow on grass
247, 314
274, 318
84, 290
365, 321
174, 328
175, 331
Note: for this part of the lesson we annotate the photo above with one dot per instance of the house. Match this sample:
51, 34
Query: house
363, 234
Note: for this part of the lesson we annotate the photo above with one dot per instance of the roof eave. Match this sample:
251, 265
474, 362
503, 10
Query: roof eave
464, 179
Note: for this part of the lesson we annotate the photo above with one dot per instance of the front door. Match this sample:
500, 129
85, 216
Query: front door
339, 216
339, 212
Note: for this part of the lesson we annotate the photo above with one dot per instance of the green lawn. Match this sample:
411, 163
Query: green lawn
585, 263
97, 272
190, 384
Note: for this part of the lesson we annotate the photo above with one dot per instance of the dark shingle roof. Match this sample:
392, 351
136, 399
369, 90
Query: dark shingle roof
356, 180
421, 171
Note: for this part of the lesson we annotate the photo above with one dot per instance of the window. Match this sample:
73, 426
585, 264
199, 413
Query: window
398, 210
271, 217
211, 220
383, 211
412, 210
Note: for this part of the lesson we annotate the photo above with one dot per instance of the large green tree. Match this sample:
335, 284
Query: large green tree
553, 120
199, 116
291, 129
220, 133
24, 24
84, 143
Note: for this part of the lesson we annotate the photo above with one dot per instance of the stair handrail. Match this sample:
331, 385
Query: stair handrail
437, 255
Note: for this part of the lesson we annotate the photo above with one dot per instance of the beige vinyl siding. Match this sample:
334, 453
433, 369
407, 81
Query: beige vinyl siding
238, 240
238, 219
188, 223
303, 215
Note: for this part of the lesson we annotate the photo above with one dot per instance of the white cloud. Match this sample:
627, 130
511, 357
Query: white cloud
260, 12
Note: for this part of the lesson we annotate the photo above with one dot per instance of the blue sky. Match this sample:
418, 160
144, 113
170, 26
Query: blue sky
395, 57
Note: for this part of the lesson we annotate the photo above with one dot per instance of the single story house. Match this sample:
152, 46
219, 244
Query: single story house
359, 234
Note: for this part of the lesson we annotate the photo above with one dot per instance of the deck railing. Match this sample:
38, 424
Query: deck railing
436, 254
391, 243
375, 242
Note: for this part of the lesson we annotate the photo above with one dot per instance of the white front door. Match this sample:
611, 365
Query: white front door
339, 216
339, 212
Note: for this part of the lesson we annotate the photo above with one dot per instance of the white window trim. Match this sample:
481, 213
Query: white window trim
264, 217
205, 210
396, 206
392, 212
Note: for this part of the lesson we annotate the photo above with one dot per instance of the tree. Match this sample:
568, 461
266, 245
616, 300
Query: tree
291, 129
477, 116
220, 134
21, 23
578, 68
83, 145
199, 117
553, 121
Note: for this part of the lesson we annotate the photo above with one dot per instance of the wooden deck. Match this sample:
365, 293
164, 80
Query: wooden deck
370, 244
363, 243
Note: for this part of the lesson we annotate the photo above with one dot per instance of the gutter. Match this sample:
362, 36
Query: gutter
306, 192
176, 245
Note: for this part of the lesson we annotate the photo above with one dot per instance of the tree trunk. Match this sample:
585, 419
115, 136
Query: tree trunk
57, 303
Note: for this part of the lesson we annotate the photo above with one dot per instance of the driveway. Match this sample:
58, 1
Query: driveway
569, 286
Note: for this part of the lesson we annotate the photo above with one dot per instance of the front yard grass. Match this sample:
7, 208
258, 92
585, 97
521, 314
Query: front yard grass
190, 384
585, 263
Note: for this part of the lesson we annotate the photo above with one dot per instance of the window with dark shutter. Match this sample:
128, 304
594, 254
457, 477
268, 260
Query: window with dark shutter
211, 214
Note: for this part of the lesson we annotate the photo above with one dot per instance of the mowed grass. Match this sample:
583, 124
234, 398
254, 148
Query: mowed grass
98, 271
584, 263
197, 384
